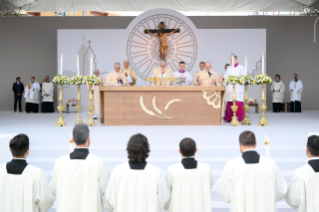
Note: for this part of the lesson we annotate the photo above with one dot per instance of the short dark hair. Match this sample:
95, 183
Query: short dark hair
81, 134
138, 148
235, 56
313, 145
182, 62
247, 138
33, 77
277, 75
18, 78
227, 64
187, 147
202, 62
19, 145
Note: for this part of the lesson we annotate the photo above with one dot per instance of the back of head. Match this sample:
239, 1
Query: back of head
81, 134
138, 148
247, 139
187, 147
313, 145
19, 145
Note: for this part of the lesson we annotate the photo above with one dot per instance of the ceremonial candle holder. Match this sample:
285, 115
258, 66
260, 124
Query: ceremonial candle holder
234, 121
246, 120
90, 121
60, 122
263, 107
79, 107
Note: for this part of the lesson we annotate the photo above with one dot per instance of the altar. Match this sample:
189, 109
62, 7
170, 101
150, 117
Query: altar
156, 105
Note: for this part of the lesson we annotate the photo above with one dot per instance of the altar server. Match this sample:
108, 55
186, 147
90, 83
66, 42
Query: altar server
116, 78
277, 88
225, 68
23, 187
47, 97
252, 182
201, 68
97, 95
239, 70
303, 190
32, 104
129, 73
163, 71
182, 73
207, 77
80, 178
295, 95
190, 182
136, 186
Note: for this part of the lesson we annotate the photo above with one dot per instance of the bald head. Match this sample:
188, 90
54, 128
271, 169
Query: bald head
208, 66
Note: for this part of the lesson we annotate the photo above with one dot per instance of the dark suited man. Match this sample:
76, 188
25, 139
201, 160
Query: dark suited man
18, 89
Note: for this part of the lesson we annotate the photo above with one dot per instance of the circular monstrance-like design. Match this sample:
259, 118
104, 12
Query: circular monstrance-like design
143, 49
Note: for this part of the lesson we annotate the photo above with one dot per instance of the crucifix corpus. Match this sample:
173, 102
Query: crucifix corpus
162, 34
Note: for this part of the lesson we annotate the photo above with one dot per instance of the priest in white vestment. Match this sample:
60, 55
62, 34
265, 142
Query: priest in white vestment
190, 182
201, 68
278, 89
295, 88
32, 104
136, 185
163, 71
80, 178
23, 188
97, 95
251, 183
303, 190
47, 97
116, 78
237, 70
182, 73
129, 73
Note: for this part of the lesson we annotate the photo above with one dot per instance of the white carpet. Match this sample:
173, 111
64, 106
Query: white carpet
216, 144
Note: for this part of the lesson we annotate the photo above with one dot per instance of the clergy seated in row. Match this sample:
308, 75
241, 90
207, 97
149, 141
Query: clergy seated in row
251, 183
32, 96
117, 78
163, 71
295, 88
23, 187
80, 178
136, 185
182, 73
129, 73
207, 77
278, 89
189, 181
303, 190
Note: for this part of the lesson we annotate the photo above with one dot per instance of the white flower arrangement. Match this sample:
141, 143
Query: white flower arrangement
262, 79
91, 80
61, 80
246, 80
232, 80
77, 80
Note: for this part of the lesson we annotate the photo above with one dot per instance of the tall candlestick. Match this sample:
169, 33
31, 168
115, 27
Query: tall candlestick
91, 66
263, 64
61, 64
246, 65
78, 64
232, 64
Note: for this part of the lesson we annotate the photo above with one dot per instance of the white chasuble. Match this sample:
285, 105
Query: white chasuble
47, 92
190, 188
26, 192
278, 94
79, 184
303, 190
112, 79
239, 70
252, 187
131, 190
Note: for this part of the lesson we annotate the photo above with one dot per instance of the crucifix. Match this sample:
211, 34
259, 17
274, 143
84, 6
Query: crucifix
162, 34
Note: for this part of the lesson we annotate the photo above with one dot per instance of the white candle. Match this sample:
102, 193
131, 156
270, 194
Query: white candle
232, 65
91, 66
78, 64
267, 152
245, 65
263, 64
61, 64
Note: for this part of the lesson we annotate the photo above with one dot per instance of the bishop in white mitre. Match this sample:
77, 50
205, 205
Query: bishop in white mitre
97, 95
237, 70
190, 182
80, 178
251, 183
295, 88
136, 185
47, 96
129, 73
277, 88
32, 104
182, 73
23, 188
303, 190
116, 78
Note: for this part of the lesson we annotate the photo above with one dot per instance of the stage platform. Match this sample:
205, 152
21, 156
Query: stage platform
216, 144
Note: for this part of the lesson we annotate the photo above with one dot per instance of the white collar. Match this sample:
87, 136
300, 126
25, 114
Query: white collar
13, 158
249, 150
314, 158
